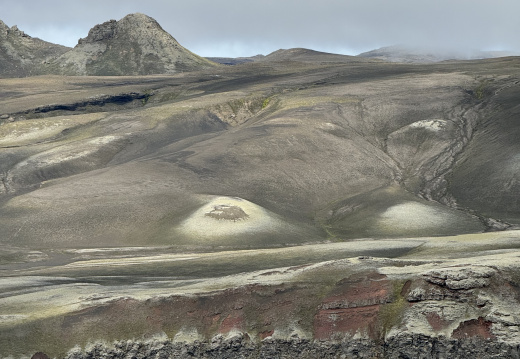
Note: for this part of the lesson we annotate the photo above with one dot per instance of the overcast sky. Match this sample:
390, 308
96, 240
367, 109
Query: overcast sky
249, 27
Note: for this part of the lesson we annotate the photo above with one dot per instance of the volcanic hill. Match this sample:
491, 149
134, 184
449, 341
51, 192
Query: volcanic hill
134, 45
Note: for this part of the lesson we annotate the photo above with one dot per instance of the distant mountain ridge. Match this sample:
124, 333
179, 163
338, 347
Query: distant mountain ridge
134, 45
406, 54
295, 54
235, 60
138, 45
307, 55
396, 53
21, 55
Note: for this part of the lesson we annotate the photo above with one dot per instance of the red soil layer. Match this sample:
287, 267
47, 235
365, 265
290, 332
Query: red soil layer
349, 306
437, 322
232, 321
365, 291
265, 334
474, 328
353, 307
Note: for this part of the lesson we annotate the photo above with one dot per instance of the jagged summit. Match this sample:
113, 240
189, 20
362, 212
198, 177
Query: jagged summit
6, 30
131, 24
134, 45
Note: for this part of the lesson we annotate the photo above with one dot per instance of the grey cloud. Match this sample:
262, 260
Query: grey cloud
245, 27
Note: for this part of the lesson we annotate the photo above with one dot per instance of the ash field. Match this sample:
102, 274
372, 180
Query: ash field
299, 204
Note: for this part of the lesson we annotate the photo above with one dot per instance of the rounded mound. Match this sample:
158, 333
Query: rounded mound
236, 222
415, 219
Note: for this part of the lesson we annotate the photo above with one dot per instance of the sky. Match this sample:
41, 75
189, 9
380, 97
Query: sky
234, 28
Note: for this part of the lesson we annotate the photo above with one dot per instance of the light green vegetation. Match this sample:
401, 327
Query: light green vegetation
391, 314
480, 90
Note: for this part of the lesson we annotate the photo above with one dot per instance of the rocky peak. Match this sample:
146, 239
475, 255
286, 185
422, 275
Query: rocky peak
139, 19
16, 31
104, 31
13, 30
134, 45
3, 28
135, 25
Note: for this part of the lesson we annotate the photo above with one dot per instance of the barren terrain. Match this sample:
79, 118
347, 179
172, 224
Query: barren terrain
332, 206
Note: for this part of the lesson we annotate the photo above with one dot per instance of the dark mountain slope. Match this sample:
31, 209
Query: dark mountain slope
311, 151
487, 177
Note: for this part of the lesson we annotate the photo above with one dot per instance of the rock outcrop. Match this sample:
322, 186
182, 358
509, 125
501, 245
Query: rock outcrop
239, 347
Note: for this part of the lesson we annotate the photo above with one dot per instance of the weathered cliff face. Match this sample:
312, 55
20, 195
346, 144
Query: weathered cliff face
236, 347
356, 308
22, 55
134, 45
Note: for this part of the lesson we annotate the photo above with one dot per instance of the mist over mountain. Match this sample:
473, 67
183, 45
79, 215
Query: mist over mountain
417, 54
397, 53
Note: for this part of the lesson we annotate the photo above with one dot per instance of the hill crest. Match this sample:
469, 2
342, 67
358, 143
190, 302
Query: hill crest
308, 55
134, 45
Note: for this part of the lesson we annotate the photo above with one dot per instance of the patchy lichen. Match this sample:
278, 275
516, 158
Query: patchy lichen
391, 314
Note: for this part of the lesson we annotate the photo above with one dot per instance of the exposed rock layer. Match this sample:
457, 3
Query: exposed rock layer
417, 346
